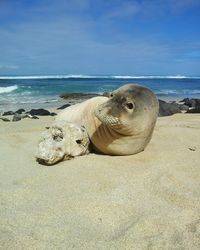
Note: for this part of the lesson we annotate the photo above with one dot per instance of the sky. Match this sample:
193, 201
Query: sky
100, 37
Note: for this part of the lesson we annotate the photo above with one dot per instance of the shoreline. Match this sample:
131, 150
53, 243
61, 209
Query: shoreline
71, 100
166, 108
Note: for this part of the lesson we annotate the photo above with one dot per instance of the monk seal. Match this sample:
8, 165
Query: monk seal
121, 124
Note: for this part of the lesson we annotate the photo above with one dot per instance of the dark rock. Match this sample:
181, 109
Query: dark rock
192, 103
41, 112
183, 107
8, 113
16, 117
77, 95
64, 106
53, 114
197, 103
20, 111
4, 119
192, 148
194, 110
30, 116
185, 100
34, 117
24, 116
166, 109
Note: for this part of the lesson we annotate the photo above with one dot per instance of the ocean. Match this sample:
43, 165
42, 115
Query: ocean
44, 91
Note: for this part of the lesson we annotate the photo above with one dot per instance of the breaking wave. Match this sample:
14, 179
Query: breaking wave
153, 77
8, 89
178, 92
47, 77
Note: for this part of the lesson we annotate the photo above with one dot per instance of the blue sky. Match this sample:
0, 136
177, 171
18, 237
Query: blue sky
129, 37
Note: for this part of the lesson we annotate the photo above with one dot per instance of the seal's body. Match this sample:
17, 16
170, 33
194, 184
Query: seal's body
121, 124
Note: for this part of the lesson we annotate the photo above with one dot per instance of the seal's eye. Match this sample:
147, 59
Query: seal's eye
129, 105
78, 141
111, 94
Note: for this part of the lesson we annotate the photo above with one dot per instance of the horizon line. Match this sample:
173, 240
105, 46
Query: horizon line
79, 76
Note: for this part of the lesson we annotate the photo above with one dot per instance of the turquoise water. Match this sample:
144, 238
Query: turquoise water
46, 89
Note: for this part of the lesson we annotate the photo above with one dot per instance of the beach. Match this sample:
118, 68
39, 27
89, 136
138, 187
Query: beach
150, 200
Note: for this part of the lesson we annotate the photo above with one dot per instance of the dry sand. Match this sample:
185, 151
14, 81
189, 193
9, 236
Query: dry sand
147, 201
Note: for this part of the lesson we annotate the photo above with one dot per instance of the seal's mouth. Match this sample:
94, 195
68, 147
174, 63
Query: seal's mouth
103, 116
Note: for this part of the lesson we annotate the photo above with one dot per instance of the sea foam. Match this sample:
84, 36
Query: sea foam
155, 77
8, 89
177, 92
47, 77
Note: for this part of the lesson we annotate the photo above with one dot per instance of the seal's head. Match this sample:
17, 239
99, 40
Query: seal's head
131, 107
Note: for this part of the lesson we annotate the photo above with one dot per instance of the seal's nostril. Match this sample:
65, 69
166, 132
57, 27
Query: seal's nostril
129, 105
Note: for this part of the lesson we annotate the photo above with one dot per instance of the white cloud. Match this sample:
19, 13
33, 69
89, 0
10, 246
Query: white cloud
8, 66
123, 9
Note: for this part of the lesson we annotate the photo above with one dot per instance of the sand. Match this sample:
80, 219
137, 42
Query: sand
147, 201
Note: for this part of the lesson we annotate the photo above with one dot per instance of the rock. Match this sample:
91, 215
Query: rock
8, 113
16, 117
20, 111
24, 116
53, 114
64, 106
28, 116
4, 119
194, 110
41, 112
62, 141
34, 117
183, 107
77, 96
185, 100
192, 148
166, 109
192, 103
